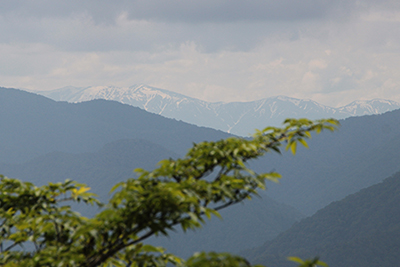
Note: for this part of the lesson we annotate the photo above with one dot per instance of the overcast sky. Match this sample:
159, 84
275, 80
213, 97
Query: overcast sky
331, 51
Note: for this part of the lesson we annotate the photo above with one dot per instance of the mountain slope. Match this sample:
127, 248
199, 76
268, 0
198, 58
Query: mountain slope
32, 125
100, 142
240, 118
113, 163
361, 230
253, 222
361, 153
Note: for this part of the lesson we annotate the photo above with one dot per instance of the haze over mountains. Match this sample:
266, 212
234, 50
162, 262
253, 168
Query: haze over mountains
364, 151
33, 125
254, 222
100, 142
362, 230
239, 118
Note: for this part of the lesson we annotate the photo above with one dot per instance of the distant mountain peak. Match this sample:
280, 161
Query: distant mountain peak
369, 107
239, 118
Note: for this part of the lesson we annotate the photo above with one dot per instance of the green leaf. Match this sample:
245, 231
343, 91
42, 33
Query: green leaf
293, 147
303, 142
296, 259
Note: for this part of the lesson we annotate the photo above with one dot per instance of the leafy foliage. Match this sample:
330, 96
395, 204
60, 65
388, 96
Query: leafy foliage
179, 193
314, 262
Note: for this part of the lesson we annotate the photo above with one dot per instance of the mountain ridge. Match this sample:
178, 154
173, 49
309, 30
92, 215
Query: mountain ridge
233, 117
363, 152
83, 127
362, 229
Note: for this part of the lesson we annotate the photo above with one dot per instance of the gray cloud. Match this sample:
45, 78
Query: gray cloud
215, 25
228, 11
330, 51
198, 11
81, 33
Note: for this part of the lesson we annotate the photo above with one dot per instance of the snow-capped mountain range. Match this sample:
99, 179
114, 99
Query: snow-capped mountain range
240, 118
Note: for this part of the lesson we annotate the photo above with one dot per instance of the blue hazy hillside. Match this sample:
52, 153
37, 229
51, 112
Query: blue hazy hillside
101, 142
362, 230
363, 152
32, 125
253, 222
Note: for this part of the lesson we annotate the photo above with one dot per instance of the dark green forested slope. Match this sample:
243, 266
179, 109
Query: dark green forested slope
361, 230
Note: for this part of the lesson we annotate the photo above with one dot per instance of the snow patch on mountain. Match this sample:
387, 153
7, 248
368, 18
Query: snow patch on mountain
240, 118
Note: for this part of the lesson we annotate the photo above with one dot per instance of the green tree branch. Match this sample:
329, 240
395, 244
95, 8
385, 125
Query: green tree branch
182, 192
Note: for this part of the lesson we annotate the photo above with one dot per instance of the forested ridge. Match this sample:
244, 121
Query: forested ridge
101, 142
362, 230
